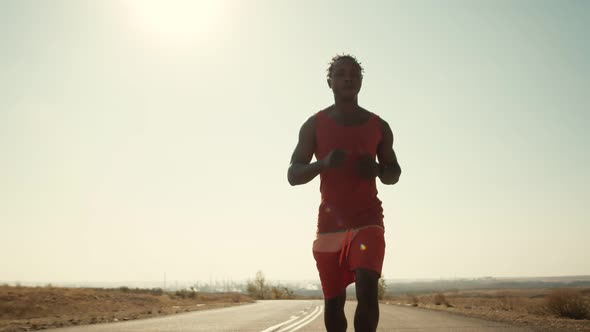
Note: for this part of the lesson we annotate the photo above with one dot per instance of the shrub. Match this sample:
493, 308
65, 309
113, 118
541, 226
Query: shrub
382, 288
567, 303
440, 298
156, 291
186, 294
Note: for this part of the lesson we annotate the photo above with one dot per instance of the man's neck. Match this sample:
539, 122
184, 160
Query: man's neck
346, 106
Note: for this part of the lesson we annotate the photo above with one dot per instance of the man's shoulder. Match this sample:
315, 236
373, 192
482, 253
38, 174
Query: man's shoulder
310, 124
366, 111
384, 124
311, 120
325, 110
373, 114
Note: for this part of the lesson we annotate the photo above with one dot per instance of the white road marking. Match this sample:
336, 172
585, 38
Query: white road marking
311, 319
274, 327
306, 320
300, 321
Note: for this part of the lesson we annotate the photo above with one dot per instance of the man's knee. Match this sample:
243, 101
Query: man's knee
336, 303
367, 283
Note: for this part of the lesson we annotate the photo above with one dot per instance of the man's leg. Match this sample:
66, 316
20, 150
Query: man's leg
334, 313
366, 317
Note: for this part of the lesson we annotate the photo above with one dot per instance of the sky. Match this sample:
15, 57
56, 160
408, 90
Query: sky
147, 138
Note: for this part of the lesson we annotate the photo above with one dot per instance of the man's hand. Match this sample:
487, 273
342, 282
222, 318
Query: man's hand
367, 167
334, 159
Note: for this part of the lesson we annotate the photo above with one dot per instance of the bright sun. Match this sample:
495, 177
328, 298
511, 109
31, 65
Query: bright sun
178, 21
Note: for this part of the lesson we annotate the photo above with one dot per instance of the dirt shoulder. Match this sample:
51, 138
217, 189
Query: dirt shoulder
520, 307
37, 308
534, 322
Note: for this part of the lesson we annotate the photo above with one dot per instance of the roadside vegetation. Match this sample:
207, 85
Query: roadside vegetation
36, 308
558, 309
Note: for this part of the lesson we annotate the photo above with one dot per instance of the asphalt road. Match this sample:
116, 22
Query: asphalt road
294, 315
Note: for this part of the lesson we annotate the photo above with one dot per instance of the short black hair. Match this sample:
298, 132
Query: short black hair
344, 56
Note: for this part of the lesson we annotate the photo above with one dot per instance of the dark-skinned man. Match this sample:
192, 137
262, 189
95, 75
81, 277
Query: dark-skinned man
346, 140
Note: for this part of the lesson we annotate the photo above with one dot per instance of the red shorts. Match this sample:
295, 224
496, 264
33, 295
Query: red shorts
338, 255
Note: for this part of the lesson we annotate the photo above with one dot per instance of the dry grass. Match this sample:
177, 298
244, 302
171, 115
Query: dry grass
414, 300
538, 308
440, 298
44, 307
568, 303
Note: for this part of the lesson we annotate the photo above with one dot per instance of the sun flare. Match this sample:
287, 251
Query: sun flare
178, 21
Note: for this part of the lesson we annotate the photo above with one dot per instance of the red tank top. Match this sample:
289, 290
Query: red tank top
348, 201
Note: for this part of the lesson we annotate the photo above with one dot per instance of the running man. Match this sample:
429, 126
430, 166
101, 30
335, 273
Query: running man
346, 139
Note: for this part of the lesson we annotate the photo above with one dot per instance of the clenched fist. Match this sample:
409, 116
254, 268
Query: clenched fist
367, 167
334, 159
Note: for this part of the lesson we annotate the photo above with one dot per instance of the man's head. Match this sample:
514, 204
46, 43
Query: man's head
345, 77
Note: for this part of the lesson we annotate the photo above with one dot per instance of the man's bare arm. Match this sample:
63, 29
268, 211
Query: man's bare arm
389, 169
301, 171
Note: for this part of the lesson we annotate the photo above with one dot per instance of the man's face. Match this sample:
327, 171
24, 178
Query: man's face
346, 79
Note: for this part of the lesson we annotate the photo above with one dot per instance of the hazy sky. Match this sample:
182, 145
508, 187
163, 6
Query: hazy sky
139, 138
